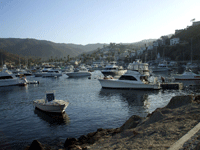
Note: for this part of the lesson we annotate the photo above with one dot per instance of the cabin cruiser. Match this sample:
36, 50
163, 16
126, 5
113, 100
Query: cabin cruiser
137, 78
50, 104
52, 73
113, 70
187, 75
161, 67
79, 72
7, 78
43, 71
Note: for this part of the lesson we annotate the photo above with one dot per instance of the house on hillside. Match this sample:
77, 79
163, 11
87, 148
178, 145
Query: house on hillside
157, 43
174, 41
178, 31
196, 23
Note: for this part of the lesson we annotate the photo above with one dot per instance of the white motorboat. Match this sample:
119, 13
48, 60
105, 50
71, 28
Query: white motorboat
50, 104
79, 72
7, 78
52, 73
187, 75
113, 70
161, 67
43, 71
137, 78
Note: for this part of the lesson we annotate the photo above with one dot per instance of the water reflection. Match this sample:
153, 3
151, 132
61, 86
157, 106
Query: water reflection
53, 118
133, 97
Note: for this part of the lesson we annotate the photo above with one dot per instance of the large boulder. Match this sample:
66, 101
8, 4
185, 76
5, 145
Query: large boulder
70, 143
36, 145
155, 116
179, 101
132, 122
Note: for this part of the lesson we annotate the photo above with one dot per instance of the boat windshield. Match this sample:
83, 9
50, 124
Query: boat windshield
6, 77
50, 97
127, 78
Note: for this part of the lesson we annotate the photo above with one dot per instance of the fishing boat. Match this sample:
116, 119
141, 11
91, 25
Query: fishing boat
187, 75
79, 72
7, 78
137, 78
162, 66
52, 73
50, 104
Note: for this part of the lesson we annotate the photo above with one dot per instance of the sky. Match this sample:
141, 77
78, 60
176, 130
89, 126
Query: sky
95, 21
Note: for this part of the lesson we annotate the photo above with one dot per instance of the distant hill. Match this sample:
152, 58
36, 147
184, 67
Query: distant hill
44, 49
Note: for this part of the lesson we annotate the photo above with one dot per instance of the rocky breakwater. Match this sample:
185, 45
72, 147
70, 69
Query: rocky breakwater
159, 130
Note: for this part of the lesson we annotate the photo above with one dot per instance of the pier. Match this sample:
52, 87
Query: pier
174, 86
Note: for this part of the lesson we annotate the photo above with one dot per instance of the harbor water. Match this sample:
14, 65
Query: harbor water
90, 107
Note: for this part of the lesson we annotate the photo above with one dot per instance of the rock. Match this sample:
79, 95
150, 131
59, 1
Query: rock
154, 117
70, 143
197, 99
132, 122
179, 101
36, 145
83, 139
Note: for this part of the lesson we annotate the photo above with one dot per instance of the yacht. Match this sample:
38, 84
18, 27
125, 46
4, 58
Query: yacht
137, 78
79, 72
7, 78
161, 67
52, 73
43, 71
113, 70
187, 75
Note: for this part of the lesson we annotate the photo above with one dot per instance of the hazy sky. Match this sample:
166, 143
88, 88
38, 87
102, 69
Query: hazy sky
95, 21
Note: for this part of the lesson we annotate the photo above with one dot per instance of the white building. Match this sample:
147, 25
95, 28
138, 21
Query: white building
150, 47
174, 41
196, 23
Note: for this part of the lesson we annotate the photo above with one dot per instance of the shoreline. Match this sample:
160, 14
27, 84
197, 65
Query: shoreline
159, 130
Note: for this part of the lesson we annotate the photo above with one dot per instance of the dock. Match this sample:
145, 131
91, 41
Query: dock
172, 85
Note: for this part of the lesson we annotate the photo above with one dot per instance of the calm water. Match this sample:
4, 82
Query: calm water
90, 108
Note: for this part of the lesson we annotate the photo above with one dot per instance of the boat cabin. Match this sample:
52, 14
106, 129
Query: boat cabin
50, 97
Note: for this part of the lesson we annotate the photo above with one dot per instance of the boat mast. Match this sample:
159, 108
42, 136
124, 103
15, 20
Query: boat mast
191, 50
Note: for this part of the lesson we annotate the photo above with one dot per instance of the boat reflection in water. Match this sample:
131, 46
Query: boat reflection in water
137, 100
53, 118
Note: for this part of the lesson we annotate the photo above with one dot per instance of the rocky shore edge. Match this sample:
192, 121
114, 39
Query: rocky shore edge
159, 130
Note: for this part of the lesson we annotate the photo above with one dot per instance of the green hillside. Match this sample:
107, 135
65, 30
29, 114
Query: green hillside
43, 49
189, 44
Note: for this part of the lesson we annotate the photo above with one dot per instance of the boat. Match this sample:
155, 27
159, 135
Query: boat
113, 70
52, 73
43, 71
50, 104
138, 78
79, 72
162, 66
7, 78
187, 75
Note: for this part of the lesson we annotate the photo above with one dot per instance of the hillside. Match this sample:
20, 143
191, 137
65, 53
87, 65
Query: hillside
189, 44
43, 49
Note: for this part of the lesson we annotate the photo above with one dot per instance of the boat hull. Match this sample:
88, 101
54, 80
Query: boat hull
78, 74
52, 75
116, 84
9, 82
50, 108
187, 78
160, 69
